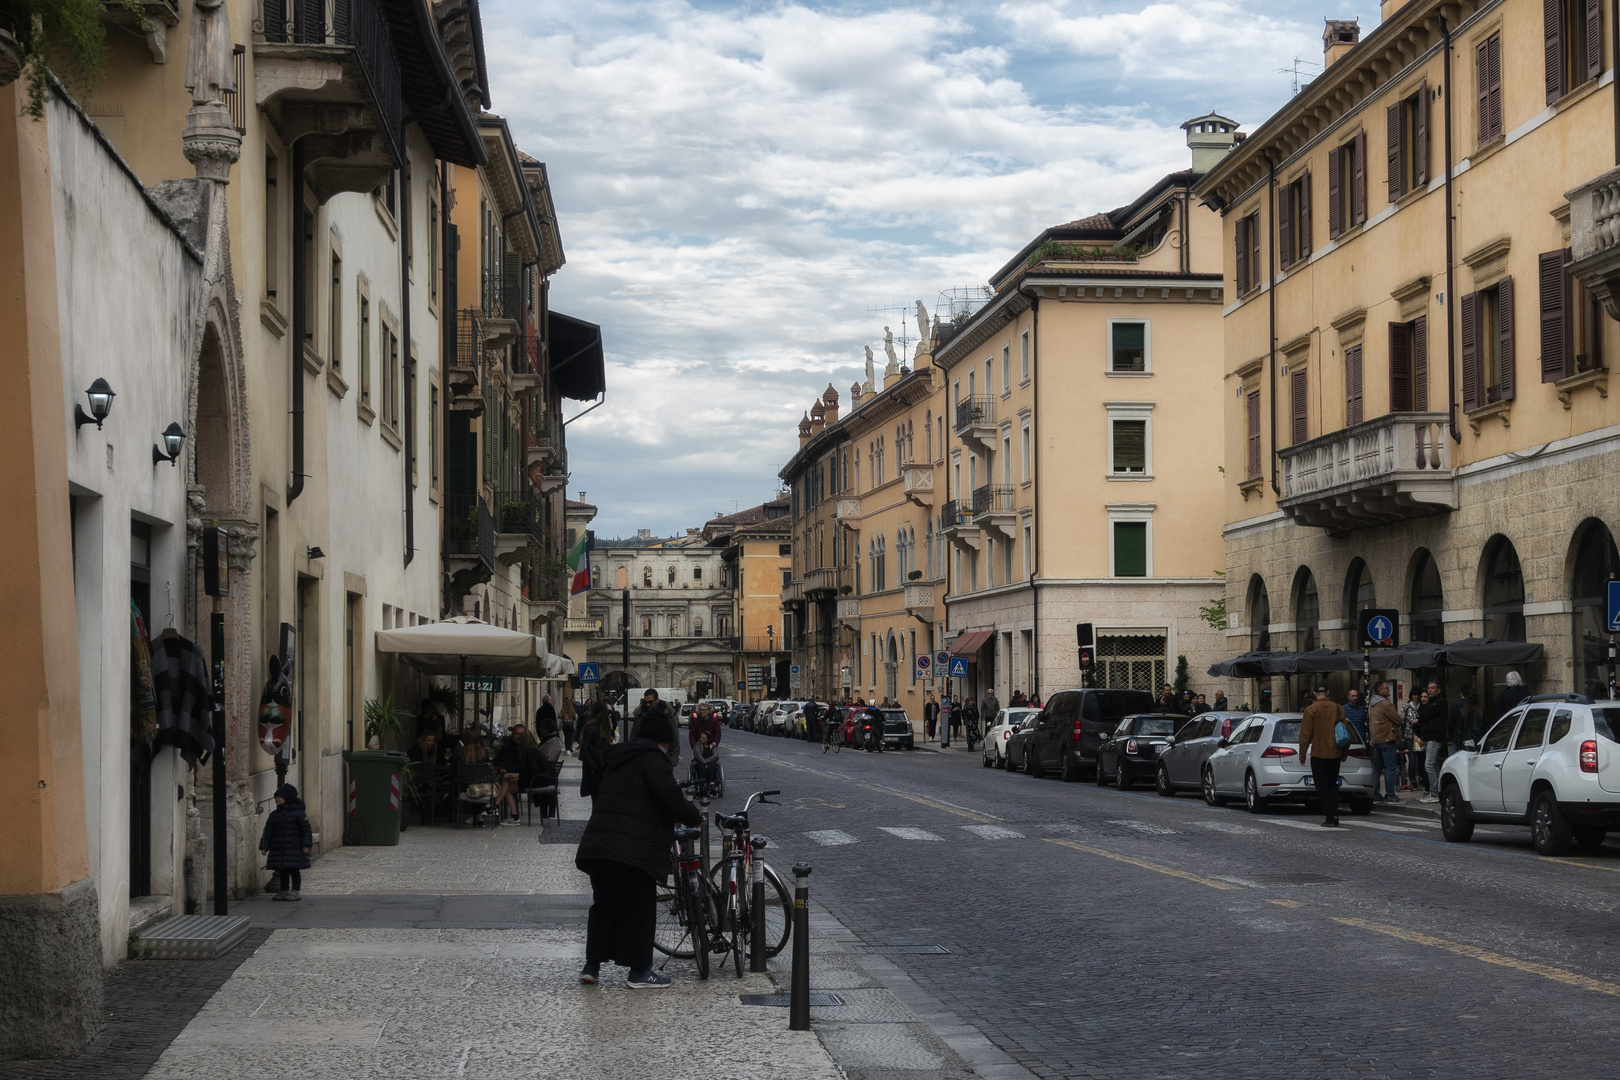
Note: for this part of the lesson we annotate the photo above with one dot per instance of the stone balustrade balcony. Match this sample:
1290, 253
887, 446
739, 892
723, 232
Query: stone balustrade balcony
1394, 468
918, 483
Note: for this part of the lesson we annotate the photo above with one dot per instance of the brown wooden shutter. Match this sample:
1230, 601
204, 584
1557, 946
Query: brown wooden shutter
1420, 364
1400, 368
1493, 52
1504, 339
1594, 39
1420, 136
1353, 411
1285, 225
1299, 400
1552, 33
1556, 342
1256, 274
1240, 269
1482, 86
1361, 176
1392, 130
1472, 397
1254, 433
1335, 196
1304, 224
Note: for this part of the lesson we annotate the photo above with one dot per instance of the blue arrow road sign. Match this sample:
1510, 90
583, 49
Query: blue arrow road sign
1614, 607
589, 673
1380, 629
958, 667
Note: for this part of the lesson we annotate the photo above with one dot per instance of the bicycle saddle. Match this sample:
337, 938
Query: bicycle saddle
738, 822
686, 832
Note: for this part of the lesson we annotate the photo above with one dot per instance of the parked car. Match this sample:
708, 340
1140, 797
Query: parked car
1553, 764
1073, 724
1131, 751
995, 740
778, 723
1260, 763
1016, 750
686, 714
897, 730
1181, 765
756, 717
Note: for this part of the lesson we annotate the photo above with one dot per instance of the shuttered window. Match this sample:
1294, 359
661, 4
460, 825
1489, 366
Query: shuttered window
1335, 193
1572, 43
1557, 357
1294, 222
1347, 185
1407, 140
1488, 87
1130, 446
1285, 226
1409, 366
1471, 377
1352, 386
1504, 367
1488, 346
1246, 241
1397, 150
1252, 406
1420, 363
1358, 178
1130, 549
1298, 400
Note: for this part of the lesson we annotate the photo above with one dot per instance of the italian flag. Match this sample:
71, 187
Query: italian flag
579, 563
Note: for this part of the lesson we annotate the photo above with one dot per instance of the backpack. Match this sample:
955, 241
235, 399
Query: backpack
1342, 735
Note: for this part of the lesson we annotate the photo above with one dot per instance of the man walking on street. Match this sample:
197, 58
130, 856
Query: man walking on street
1220, 701
1318, 738
1385, 723
1431, 728
991, 706
1356, 713
930, 717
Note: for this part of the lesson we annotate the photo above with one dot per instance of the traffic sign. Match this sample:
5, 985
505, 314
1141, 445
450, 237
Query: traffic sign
958, 667
1614, 607
924, 663
1083, 635
589, 673
1380, 627
793, 677
1088, 658
942, 659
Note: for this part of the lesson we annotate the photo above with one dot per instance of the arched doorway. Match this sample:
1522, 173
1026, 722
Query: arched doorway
1427, 601
1594, 563
891, 672
1307, 611
1259, 611
1503, 591
1359, 596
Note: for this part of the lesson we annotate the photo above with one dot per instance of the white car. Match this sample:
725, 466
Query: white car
1260, 763
1553, 763
995, 740
780, 719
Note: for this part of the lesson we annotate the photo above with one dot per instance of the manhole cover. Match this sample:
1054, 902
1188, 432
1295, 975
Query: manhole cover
1295, 879
817, 998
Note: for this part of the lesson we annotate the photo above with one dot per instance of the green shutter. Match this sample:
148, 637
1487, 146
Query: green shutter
1130, 549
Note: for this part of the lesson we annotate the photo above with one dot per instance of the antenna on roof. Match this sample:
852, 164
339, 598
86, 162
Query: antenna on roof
903, 338
1295, 70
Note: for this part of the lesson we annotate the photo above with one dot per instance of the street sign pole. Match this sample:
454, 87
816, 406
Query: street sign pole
1613, 614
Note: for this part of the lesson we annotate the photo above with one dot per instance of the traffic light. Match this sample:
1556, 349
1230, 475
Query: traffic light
1082, 634
1088, 658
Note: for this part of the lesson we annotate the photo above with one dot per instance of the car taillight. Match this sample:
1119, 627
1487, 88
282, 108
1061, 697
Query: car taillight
1078, 729
1278, 751
1589, 756
1130, 746
1358, 752
1006, 735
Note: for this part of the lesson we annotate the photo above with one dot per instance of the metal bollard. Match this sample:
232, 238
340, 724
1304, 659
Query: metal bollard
799, 1001
756, 903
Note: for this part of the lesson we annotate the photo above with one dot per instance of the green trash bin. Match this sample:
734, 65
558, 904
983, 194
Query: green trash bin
376, 797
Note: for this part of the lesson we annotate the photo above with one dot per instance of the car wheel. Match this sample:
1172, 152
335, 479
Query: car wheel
1122, 776
1211, 796
1455, 824
1067, 772
1098, 776
1590, 836
1550, 830
1162, 783
1253, 801
985, 761
1032, 765
1002, 762
1361, 807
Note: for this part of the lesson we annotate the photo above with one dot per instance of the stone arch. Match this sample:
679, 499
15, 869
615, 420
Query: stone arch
1593, 559
1360, 593
1305, 605
1425, 603
1501, 590
1257, 610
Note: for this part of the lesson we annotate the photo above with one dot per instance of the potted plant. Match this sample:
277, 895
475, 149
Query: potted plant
376, 778
915, 575
845, 590
514, 516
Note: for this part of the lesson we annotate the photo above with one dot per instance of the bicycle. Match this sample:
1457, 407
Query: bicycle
682, 904
835, 734
735, 874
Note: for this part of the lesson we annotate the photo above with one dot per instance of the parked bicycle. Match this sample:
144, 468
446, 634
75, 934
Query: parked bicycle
682, 904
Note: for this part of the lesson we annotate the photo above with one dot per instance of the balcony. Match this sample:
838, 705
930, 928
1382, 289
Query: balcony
469, 542
918, 482
848, 512
993, 509
545, 587
821, 584
920, 600
519, 526
976, 422
1594, 235
849, 611
525, 377
955, 523
326, 72
793, 592
588, 627
462, 379
554, 475
1394, 468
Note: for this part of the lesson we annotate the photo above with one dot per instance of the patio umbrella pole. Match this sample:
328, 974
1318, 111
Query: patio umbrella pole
461, 689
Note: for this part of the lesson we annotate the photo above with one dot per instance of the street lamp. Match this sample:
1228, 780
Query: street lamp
174, 437
100, 396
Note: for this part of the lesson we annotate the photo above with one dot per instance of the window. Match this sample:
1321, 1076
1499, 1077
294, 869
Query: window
1029, 548
1127, 347
1488, 88
1024, 443
1353, 402
1127, 451
1488, 345
1407, 135
697, 573
1532, 730
365, 348
670, 574
1294, 222
1007, 563
1573, 44
1347, 185
388, 358
646, 626
784, 550
434, 420
272, 224
433, 246
646, 577
1409, 366
1006, 370
1130, 541
1023, 357
1497, 740
1252, 409
1006, 456
1298, 399
787, 576
1247, 273
697, 626
1563, 720
1571, 321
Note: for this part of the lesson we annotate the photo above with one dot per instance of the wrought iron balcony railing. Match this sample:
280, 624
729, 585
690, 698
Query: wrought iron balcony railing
358, 24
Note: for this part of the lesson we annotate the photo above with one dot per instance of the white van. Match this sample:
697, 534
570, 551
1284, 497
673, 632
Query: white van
673, 696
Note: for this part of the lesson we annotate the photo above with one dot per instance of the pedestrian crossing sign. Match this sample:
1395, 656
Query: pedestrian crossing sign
958, 667
589, 673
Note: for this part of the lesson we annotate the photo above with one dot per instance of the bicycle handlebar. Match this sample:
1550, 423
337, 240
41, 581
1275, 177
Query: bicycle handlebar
761, 797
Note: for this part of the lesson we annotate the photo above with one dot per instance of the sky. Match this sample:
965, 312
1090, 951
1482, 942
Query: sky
748, 193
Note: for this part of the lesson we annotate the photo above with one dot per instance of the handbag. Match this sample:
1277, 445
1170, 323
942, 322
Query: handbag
1342, 735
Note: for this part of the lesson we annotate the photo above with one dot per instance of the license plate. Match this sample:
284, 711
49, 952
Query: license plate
1311, 780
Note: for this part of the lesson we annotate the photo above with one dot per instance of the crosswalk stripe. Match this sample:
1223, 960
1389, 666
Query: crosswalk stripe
1380, 826
907, 832
1142, 826
831, 837
1228, 827
992, 832
1314, 827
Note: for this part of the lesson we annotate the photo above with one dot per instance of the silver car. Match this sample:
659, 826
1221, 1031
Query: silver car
1260, 763
995, 740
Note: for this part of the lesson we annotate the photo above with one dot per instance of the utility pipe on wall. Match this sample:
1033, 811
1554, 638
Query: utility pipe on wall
1451, 221
300, 290
1271, 294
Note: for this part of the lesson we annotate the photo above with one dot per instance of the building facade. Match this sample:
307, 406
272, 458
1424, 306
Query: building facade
1417, 413
756, 550
818, 478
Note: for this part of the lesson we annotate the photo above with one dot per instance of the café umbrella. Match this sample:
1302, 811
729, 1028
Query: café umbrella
457, 646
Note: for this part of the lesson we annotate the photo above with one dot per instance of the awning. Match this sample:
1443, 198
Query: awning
1468, 653
577, 369
968, 644
464, 646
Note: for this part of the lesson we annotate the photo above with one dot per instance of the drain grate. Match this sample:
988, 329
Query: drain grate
1294, 879
817, 998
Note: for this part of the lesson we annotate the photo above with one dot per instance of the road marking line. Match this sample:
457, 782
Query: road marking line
1245, 882
1228, 827
1587, 865
1380, 827
959, 811
1286, 903
907, 832
1144, 864
831, 837
992, 832
1142, 826
1291, 824
1546, 971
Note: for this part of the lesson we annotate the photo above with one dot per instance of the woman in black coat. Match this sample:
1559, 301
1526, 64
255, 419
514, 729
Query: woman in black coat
286, 843
626, 852
595, 740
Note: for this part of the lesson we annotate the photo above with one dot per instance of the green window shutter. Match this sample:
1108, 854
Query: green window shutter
1130, 549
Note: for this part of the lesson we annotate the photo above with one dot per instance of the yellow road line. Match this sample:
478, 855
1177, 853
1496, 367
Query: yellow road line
1582, 863
1286, 903
1546, 971
970, 815
1144, 864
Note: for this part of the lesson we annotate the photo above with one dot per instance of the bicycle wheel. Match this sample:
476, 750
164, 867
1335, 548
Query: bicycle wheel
672, 933
778, 912
698, 918
734, 932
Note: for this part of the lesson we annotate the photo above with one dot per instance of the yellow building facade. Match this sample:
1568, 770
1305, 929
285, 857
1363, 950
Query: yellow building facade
758, 561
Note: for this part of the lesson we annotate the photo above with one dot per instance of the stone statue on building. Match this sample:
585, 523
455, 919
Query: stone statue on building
871, 371
925, 340
210, 63
888, 349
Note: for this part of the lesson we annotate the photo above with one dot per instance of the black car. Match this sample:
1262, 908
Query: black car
1074, 724
1131, 751
897, 730
1181, 765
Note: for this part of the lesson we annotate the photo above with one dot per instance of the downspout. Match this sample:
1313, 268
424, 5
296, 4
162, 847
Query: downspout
299, 329
407, 366
1614, 65
1034, 423
1451, 259
1271, 295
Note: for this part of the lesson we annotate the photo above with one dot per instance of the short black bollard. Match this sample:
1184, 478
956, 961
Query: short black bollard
756, 904
799, 1000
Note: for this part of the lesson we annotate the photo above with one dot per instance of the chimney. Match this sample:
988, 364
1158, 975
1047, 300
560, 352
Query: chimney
804, 429
817, 417
691, 532
1210, 137
854, 396
829, 404
1339, 36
